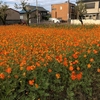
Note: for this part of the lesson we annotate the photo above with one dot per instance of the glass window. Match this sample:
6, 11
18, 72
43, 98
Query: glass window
90, 5
60, 7
21, 17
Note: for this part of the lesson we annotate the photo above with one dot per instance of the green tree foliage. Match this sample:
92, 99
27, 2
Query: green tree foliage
3, 12
24, 6
81, 10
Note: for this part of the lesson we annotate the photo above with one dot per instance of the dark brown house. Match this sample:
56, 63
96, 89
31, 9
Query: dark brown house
13, 16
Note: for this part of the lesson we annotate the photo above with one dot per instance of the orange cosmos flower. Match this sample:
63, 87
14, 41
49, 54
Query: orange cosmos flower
71, 68
23, 63
95, 51
2, 76
78, 68
73, 76
24, 74
65, 63
98, 70
59, 58
31, 82
57, 75
75, 55
71, 63
1, 63
89, 51
48, 58
29, 68
37, 64
21, 68
16, 76
91, 60
89, 65
8, 70
76, 61
79, 76
85, 56
49, 70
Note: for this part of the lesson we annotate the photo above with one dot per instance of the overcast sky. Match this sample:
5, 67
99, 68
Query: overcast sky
44, 3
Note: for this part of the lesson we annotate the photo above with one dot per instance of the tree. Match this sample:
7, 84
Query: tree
81, 10
24, 6
3, 12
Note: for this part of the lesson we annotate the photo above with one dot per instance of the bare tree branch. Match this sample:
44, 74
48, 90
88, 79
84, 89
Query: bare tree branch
3, 12
23, 5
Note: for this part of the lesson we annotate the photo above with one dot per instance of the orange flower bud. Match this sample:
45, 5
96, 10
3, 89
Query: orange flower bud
36, 85
85, 56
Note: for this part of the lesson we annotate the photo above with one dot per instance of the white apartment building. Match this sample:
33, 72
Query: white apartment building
93, 9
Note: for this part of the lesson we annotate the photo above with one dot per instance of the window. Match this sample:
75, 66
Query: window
60, 7
53, 8
21, 17
90, 5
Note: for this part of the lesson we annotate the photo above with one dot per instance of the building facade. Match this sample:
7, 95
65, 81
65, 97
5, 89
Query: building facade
92, 8
42, 13
63, 11
13, 16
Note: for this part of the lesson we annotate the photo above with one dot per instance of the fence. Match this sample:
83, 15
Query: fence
87, 21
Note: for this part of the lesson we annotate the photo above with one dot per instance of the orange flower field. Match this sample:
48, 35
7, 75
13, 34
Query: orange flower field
49, 63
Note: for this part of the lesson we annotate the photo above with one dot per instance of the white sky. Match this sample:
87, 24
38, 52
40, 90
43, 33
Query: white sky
44, 3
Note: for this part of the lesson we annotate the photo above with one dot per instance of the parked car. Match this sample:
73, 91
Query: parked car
54, 20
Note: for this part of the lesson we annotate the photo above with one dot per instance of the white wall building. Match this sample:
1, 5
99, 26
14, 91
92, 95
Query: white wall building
93, 8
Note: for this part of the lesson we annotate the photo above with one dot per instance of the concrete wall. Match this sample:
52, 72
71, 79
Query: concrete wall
89, 21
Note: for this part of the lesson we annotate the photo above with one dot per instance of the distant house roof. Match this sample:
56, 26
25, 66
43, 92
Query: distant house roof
13, 10
33, 8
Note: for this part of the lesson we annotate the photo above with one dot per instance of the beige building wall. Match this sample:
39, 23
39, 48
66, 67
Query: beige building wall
92, 13
23, 17
60, 11
96, 9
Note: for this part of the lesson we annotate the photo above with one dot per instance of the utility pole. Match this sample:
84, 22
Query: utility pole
69, 12
37, 10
